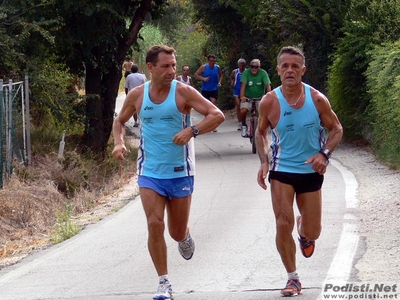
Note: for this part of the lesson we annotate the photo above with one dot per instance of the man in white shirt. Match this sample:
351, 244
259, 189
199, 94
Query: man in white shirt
185, 78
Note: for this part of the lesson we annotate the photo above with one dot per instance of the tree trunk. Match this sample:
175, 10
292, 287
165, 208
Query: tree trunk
102, 88
94, 127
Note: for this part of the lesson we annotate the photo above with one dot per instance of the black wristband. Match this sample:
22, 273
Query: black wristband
326, 153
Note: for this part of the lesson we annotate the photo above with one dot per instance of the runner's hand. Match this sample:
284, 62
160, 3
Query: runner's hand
119, 152
262, 175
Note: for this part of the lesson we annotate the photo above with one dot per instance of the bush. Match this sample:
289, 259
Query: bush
383, 81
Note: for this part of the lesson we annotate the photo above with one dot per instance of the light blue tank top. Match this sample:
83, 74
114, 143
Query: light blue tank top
297, 136
158, 156
212, 83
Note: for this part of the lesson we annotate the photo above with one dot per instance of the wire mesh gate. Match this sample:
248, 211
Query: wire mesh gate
15, 143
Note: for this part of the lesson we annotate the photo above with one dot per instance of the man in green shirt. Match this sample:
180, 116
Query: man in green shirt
255, 83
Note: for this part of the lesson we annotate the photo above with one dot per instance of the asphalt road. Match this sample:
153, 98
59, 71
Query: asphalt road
232, 224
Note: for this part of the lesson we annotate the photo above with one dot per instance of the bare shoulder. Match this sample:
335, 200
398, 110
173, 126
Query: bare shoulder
201, 69
135, 95
186, 90
320, 100
186, 95
269, 99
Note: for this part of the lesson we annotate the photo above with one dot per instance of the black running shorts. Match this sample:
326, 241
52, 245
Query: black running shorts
302, 183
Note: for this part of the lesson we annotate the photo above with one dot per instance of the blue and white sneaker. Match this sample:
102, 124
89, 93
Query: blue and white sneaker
164, 291
186, 248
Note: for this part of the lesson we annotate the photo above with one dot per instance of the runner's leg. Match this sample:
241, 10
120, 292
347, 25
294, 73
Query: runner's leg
310, 208
282, 201
178, 217
154, 206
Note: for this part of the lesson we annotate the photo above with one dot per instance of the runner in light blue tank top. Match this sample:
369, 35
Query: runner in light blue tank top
303, 135
159, 157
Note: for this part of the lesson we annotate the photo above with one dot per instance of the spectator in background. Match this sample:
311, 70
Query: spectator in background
185, 78
133, 80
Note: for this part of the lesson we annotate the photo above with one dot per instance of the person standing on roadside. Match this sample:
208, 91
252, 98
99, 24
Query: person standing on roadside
297, 114
236, 74
185, 78
133, 80
254, 83
166, 165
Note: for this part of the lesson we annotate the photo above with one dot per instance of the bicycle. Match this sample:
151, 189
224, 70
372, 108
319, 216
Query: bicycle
253, 123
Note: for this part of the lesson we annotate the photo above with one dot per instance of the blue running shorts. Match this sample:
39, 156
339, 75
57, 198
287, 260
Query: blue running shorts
171, 188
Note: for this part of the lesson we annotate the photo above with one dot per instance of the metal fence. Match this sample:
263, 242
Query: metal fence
15, 138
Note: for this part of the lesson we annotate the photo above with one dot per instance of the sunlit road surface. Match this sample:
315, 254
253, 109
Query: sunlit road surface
231, 222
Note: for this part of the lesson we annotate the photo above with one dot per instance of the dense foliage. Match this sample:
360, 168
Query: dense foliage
85, 39
58, 42
368, 24
383, 84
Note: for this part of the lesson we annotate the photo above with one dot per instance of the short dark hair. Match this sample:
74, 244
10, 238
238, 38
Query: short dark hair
291, 50
134, 68
185, 66
211, 56
152, 54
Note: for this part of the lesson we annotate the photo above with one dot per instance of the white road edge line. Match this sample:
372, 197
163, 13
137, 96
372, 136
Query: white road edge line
342, 263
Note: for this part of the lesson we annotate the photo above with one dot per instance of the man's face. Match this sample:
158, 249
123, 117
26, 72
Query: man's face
290, 69
211, 61
185, 70
164, 70
254, 67
241, 66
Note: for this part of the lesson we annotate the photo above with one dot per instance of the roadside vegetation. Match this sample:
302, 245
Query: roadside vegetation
352, 51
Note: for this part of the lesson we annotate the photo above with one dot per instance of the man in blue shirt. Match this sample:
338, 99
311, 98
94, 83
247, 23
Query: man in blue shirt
210, 75
236, 74
166, 165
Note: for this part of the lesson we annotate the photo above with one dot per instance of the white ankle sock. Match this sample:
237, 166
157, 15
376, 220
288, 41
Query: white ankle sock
162, 277
293, 275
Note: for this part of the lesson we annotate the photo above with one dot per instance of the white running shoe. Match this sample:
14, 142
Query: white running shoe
244, 131
239, 126
186, 248
164, 291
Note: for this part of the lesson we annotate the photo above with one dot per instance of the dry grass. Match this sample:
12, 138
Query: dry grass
32, 199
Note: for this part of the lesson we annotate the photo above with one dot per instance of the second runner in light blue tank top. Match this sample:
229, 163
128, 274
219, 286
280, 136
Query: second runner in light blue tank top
158, 156
303, 138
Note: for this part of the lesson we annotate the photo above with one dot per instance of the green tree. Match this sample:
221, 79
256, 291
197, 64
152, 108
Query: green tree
313, 25
24, 40
383, 84
149, 35
93, 39
369, 23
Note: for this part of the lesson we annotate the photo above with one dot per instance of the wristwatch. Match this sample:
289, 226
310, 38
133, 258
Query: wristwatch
195, 131
326, 153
